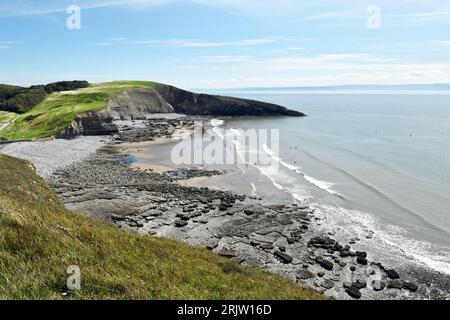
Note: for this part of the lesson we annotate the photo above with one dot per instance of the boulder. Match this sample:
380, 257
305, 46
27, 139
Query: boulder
353, 292
285, 258
324, 263
392, 274
304, 274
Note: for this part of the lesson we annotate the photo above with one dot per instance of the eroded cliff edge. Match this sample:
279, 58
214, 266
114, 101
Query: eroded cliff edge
139, 103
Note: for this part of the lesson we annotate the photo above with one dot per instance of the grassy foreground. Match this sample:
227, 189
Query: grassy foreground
59, 109
39, 239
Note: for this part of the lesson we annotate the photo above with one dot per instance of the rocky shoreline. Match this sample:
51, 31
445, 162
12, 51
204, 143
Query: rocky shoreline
279, 238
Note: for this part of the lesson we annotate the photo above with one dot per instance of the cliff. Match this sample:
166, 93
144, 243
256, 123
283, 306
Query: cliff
92, 110
185, 102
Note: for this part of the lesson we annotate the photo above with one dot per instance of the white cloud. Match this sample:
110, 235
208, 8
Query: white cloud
20, 8
225, 59
9, 44
442, 42
327, 69
191, 43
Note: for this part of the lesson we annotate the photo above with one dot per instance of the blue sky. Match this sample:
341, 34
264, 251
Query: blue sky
226, 43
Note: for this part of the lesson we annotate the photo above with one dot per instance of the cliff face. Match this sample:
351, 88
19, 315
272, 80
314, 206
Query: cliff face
185, 102
89, 124
139, 103
136, 104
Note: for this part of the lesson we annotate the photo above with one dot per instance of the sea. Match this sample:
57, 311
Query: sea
375, 165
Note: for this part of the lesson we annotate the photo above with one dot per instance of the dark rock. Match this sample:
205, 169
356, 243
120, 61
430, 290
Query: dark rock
181, 223
392, 274
411, 286
353, 292
224, 252
345, 253
361, 260
359, 284
117, 217
395, 284
266, 246
285, 258
361, 254
304, 275
322, 242
327, 284
326, 264
248, 212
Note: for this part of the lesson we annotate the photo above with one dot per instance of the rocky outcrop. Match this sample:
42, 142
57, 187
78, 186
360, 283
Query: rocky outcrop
189, 103
136, 104
140, 103
89, 124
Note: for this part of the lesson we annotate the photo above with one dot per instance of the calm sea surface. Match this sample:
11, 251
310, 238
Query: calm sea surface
375, 165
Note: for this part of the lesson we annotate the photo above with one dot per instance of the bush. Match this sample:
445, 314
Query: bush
20, 100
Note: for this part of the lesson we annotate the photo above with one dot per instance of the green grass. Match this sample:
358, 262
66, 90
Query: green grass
39, 239
6, 116
58, 110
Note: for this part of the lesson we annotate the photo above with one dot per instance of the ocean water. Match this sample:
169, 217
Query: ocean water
374, 166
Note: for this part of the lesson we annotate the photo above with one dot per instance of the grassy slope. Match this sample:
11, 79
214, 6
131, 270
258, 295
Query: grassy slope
6, 116
59, 109
39, 239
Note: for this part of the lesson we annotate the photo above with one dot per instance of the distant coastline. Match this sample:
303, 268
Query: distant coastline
355, 88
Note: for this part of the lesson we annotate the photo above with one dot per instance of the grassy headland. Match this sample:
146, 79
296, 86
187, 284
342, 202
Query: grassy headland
39, 239
59, 109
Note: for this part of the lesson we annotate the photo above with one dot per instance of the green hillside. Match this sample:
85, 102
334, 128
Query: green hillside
39, 239
59, 109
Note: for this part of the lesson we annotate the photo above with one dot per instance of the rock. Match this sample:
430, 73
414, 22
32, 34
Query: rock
212, 244
327, 284
395, 284
326, 264
228, 253
117, 217
290, 240
411, 286
378, 285
361, 260
361, 254
347, 284
392, 274
154, 213
181, 223
266, 246
353, 292
359, 284
342, 264
304, 274
322, 242
345, 253
352, 268
248, 212
285, 258
321, 274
